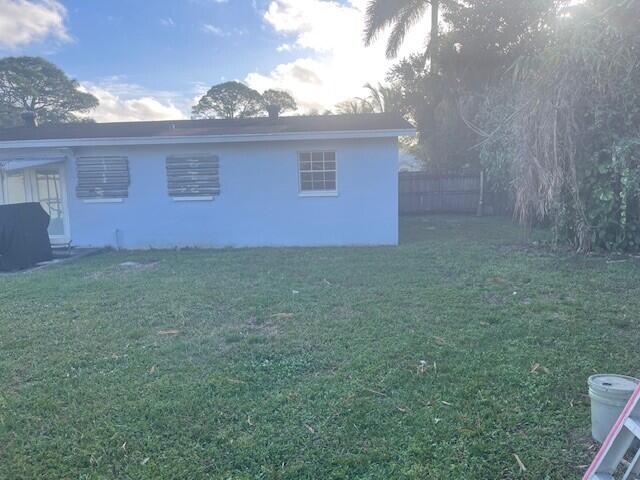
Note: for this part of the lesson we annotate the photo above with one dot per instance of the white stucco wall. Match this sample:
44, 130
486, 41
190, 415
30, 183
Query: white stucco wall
259, 204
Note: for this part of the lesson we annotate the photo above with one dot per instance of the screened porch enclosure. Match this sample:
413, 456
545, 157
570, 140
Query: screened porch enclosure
43, 182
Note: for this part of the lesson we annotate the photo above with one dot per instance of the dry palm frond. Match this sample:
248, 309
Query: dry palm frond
583, 71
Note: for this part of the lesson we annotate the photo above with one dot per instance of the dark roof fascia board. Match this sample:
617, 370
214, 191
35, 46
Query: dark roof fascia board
200, 139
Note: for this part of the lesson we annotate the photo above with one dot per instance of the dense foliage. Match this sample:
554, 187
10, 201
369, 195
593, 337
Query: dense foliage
279, 98
568, 135
444, 87
32, 84
379, 99
542, 95
228, 100
236, 100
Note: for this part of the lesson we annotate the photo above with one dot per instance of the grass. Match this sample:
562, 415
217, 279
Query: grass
373, 363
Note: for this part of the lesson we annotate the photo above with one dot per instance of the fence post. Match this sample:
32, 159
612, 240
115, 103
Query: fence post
2, 184
481, 200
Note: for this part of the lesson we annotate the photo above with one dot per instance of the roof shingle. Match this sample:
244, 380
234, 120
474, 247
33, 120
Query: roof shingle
187, 128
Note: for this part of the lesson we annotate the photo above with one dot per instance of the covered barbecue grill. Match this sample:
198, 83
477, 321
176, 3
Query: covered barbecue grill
24, 240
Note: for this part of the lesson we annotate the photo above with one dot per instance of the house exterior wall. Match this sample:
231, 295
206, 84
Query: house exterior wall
259, 204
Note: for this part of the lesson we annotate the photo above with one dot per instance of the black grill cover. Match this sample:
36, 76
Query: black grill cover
24, 240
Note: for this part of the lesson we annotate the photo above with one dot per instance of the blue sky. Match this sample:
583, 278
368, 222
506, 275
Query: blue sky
151, 59
167, 44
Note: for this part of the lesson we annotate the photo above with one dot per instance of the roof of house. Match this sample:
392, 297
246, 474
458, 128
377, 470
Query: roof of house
245, 127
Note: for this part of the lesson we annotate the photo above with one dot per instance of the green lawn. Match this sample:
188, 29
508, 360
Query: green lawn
376, 363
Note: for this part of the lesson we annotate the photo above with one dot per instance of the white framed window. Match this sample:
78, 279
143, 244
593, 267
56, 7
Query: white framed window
43, 184
193, 177
102, 179
16, 187
317, 174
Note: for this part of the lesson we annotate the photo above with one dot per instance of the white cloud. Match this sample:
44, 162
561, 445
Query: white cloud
335, 64
208, 28
285, 47
125, 102
26, 21
167, 22
212, 29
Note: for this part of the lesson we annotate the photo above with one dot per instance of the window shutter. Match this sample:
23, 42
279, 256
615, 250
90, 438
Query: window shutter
102, 177
193, 176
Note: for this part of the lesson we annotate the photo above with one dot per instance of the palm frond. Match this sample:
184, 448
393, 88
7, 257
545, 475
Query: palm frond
407, 18
375, 96
381, 14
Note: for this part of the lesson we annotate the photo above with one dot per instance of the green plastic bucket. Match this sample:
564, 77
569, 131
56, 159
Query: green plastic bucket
609, 394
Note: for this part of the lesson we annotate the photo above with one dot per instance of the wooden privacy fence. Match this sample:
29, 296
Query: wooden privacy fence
422, 192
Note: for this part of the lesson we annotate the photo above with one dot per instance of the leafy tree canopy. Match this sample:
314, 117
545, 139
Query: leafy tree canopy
569, 135
480, 43
236, 100
229, 100
486, 37
32, 84
280, 98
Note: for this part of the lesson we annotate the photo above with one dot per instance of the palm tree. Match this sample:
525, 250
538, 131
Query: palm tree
401, 15
354, 106
383, 99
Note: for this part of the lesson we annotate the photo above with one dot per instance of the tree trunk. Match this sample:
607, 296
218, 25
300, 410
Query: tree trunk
435, 36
